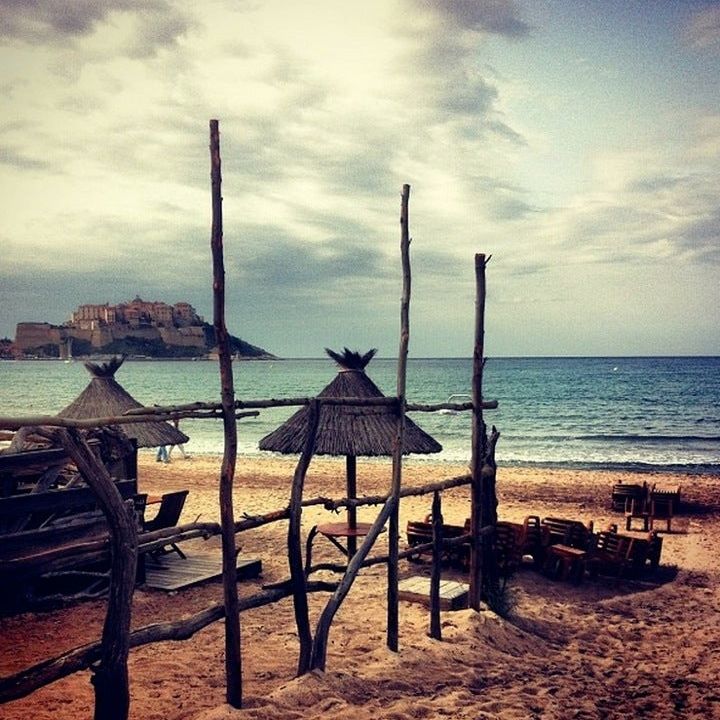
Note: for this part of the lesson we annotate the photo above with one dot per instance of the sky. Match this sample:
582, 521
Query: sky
575, 141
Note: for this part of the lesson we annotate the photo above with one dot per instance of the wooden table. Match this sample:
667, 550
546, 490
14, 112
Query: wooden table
334, 532
565, 562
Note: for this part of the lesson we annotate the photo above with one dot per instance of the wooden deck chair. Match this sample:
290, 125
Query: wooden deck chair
171, 506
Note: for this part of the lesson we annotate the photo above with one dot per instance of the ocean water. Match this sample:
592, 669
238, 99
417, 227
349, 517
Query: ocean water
638, 413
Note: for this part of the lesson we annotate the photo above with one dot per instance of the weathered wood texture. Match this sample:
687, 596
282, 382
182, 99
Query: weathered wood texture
295, 560
233, 658
437, 543
30, 679
112, 691
394, 524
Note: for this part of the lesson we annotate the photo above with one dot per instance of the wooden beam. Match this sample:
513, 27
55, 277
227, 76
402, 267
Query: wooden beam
437, 528
295, 560
30, 679
233, 658
394, 524
112, 688
479, 437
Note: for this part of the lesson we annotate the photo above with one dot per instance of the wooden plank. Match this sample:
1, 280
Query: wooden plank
59, 500
453, 594
171, 572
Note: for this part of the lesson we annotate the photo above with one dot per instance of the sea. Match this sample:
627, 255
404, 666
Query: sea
638, 413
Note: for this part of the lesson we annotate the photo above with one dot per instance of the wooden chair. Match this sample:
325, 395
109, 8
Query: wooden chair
572, 533
507, 546
620, 555
622, 492
531, 539
611, 555
421, 533
661, 508
171, 507
636, 509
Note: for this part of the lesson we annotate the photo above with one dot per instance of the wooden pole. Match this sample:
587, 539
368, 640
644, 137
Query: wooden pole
233, 659
351, 474
479, 439
437, 526
112, 687
394, 524
295, 561
355, 563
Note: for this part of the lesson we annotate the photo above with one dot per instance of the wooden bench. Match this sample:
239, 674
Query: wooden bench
619, 555
623, 492
421, 533
507, 543
560, 531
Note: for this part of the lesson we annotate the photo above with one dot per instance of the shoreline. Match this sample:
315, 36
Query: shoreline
635, 467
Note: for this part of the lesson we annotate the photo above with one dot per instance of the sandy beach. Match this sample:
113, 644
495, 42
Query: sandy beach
602, 649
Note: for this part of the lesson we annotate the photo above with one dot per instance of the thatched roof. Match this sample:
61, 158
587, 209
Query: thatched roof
105, 397
350, 430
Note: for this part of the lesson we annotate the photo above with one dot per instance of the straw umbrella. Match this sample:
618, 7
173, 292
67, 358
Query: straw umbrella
105, 397
349, 430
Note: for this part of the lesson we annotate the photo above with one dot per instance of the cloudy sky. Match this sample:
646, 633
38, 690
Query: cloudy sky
577, 141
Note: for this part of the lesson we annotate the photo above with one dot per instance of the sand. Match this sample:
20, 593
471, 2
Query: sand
603, 649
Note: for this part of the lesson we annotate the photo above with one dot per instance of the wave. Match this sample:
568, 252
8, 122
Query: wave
636, 437
609, 437
620, 466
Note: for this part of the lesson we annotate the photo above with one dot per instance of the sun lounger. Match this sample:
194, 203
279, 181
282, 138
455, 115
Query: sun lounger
171, 507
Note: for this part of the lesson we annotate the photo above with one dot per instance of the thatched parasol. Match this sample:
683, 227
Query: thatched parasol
105, 397
350, 430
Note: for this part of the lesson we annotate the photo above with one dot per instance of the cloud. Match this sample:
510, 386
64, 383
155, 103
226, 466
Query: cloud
501, 17
703, 29
149, 24
20, 161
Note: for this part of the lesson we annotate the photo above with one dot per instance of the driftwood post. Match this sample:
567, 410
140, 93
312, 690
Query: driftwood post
479, 441
233, 659
112, 688
351, 475
437, 525
297, 573
394, 525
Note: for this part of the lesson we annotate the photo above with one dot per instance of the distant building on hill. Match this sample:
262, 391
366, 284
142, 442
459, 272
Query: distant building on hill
135, 314
137, 327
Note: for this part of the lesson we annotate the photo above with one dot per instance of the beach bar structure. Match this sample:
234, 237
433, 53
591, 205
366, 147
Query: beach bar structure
105, 397
108, 657
350, 431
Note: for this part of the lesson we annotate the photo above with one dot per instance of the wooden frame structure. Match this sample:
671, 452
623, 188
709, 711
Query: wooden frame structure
108, 658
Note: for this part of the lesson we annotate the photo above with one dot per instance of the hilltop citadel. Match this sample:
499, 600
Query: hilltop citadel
136, 328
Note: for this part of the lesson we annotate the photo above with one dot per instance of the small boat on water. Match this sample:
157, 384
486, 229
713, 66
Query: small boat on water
455, 398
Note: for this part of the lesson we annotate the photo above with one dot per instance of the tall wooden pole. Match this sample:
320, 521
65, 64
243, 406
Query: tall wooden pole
233, 660
394, 525
297, 573
437, 529
351, 475
479, 440
112, 689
